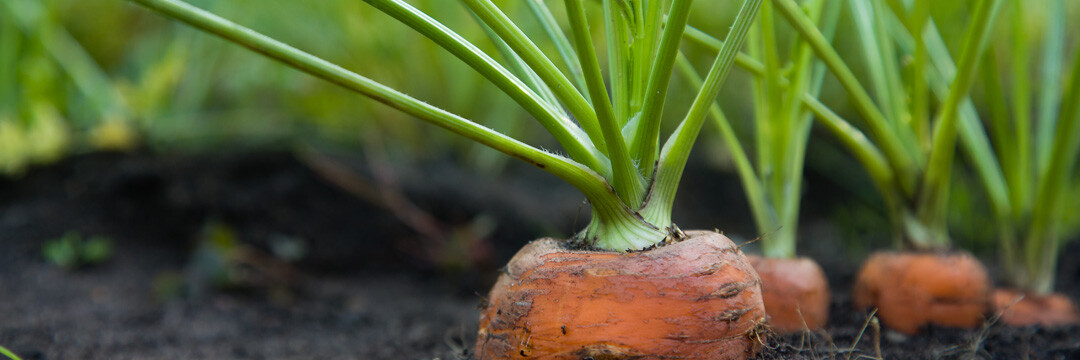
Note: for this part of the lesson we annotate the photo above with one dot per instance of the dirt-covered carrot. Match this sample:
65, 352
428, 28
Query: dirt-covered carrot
614, 156
911, 290
693, 299
795, 291
907, 152
1019, 308
1035, 164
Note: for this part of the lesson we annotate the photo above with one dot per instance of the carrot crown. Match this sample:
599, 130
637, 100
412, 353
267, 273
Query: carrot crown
611, 134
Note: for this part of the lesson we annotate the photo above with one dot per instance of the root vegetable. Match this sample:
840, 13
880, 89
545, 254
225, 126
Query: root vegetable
1033, 309
694, 299
795, 291
914, 289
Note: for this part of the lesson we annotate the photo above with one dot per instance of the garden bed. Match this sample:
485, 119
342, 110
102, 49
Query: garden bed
362, 290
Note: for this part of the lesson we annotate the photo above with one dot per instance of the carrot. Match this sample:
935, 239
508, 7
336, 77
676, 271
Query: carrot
694, 299
914, 289
795, 291
1025, 309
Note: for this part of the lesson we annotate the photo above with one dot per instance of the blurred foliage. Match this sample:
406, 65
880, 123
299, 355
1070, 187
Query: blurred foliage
971, 210
72, 251
221, 261
970, 214
79, 76
214, 258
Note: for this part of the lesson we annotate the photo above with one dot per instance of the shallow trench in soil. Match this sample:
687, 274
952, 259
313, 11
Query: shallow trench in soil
367, 286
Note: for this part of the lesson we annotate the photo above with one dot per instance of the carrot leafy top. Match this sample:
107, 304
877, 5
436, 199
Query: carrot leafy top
609, 131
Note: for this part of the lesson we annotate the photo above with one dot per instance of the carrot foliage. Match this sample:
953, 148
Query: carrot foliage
609, 127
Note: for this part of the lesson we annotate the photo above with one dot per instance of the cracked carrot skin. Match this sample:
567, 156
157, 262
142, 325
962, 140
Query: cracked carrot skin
694, 299
911, 289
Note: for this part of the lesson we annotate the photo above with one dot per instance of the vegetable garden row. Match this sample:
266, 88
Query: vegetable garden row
606, 79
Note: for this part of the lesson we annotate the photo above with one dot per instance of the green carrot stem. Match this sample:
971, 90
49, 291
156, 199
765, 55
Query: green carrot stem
647, 54
762, 110
1022, 176
973, 137
772, 124
10, 354
751, 184
618, 43
881, 60
574, 101
902, 118
676, 150
873, 160
573, 140
933, 199
1053, 56
1001, 129
644, 144
627, 181
562, 43
906, 165
808, 76
742, 60
519, 68
1043, 242
920, 93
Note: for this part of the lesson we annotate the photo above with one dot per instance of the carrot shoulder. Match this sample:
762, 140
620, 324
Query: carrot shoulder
694, 299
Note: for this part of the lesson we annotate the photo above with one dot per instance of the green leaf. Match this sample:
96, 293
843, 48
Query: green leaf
676, 150
96, 250
626, 180
63, 251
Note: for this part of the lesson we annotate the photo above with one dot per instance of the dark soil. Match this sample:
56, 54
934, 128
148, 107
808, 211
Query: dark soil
364, 288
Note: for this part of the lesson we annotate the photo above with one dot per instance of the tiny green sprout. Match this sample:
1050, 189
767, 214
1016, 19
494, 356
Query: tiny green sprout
71, 251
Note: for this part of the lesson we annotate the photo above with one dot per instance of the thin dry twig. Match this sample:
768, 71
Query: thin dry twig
754, 240
385, 193
875, 326
851, 351
974, 347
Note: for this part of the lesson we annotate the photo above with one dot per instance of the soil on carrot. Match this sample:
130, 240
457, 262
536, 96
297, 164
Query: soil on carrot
363, 287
